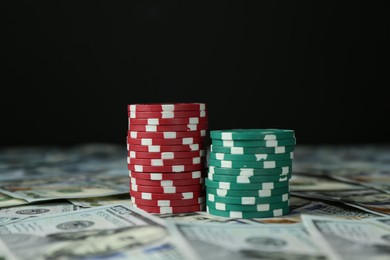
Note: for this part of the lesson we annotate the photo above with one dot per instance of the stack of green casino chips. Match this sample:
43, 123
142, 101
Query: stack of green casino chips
249, 172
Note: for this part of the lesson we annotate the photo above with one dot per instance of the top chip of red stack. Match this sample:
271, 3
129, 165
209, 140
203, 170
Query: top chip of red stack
166, 107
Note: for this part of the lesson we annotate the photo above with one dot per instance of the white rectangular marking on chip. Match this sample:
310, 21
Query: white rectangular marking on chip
132, 154
211, 197
262, 207
260, 157
146, 141
221, 193
178, 168
285, 197
202, 106
291, 155
267, 186
227, 136
235, 214
187, 195
246, 172
133, 134
226, 164
283, 179
285, 170
248, 200
278, 212
194, 147
269, 164
227, 143
196, 160
280, 149
146, 196
237, 150
128, 160
132, 114
133, 108
264, 193
243, 179
166, 183
166, 210
134, 187
156, 176
202, 132
154, 148
219, 156
188, 140
220, 206
163, 203
192, 127
271, 143
151, 128
169, 135
270, 137
167, 114
194, 120
138, 168
202, 113
153, 121
167, 155
211, 169
157, 162
168, 107
169, 189
224, 185
127, 146
196, 175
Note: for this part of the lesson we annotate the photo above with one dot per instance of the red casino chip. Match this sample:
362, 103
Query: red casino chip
167, 135
168, 121
168, 196
153, 141
168, 128
168, 114
171, 210
166, 155
170, 168
165, 190
165, 148
159, 107
166, 183
168, 203
168, 176
167, 162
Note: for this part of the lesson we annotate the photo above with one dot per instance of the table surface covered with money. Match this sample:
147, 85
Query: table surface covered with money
74, 203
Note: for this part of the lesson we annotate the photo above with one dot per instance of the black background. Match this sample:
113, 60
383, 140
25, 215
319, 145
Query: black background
70, 68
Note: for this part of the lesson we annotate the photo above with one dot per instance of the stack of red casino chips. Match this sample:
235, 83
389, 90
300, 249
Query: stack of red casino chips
166, 158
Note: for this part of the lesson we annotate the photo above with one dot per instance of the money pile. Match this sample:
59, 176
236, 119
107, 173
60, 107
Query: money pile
74, 203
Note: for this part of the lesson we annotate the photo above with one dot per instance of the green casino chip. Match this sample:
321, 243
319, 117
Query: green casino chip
252, 150
245, 186
248, 193
251, 157
250, 171
255, 165
248, 179
248, 214
248, 200
252, 134
264, 207
258, 144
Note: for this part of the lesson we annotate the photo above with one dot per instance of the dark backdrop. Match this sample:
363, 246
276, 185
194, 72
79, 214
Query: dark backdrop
70, 68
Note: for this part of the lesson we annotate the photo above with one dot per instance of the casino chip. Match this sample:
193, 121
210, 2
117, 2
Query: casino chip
166, 156
249, 172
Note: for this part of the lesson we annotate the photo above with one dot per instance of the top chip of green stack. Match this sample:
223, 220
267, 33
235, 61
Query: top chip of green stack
252, 134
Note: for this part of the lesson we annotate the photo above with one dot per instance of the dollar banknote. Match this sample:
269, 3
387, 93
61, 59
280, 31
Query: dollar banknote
81, 186
75, 234
383, 222
13, 214
236, 241
349, 239
102, 201
304, 182
7, 201
201, 217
